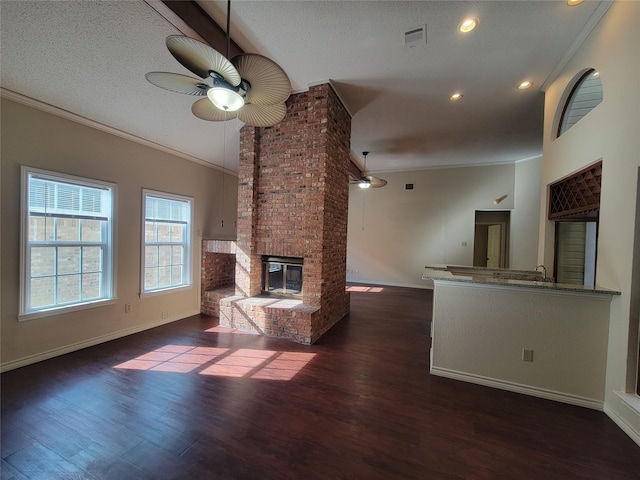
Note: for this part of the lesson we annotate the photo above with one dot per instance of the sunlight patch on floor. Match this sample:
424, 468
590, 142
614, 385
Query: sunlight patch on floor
221, 362
355, 288
229, 330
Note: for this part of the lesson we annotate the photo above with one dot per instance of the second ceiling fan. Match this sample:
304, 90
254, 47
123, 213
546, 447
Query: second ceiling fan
250, 87
368, 181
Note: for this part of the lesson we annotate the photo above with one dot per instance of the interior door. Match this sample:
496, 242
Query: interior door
494, 241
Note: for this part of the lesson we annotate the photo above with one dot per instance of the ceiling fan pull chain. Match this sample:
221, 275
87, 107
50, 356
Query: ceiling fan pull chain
228, 26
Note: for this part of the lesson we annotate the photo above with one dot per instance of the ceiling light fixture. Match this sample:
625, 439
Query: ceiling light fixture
468, 24
455, 97
524, 85
573, 3
225, 99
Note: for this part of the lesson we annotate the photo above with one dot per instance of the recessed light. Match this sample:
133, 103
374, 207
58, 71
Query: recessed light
572, 3
455, 97
468, 24
524, 85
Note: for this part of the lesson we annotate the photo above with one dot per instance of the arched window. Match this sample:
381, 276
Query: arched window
584, 97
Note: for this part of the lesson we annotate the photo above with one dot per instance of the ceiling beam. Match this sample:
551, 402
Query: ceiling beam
189, 17
354, 170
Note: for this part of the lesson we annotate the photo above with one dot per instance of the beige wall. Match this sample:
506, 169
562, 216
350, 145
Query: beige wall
610, 133
393, 233
38, 139
479, 332
524, 224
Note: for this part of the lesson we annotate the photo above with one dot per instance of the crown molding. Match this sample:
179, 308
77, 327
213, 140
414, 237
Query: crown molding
595, 18
67, 115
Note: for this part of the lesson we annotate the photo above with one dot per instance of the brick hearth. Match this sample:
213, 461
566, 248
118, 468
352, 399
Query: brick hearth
292, 202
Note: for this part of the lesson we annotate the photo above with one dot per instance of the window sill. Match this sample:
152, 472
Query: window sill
166, 290
64, 310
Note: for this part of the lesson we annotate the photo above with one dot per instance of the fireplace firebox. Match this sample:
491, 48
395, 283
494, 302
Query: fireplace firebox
282, 276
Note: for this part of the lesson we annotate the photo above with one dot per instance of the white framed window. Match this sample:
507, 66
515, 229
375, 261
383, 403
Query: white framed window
66, 247
585, 95
166, 259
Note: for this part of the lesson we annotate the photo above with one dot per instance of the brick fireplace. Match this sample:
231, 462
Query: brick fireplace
292, 202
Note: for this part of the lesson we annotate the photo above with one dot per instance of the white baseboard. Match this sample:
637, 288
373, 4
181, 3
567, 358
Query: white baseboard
390, 284
55, 352
622, 423
519, 388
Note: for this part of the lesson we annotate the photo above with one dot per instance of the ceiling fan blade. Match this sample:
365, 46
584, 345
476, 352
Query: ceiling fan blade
200, 58
206, 110
262, 115
175, 82
270, 84
376, 182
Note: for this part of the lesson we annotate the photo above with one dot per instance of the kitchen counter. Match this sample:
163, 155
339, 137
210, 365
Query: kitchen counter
533, 337
486, 276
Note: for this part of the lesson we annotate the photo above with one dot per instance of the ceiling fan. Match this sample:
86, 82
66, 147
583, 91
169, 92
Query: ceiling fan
250, 87
368, 181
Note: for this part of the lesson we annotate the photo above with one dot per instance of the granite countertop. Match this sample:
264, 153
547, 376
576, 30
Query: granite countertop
440, 272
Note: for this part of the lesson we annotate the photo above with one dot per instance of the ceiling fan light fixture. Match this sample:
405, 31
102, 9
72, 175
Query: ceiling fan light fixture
225, 99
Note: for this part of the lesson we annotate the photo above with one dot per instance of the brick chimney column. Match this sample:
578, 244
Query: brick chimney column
248, 263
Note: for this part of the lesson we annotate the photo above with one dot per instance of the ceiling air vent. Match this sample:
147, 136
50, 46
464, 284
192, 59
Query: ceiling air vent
415, 37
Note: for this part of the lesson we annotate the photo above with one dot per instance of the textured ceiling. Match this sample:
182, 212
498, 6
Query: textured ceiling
90, 57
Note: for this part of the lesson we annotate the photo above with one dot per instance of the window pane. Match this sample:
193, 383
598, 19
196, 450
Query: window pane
164, 277
36, 228
43, 261
68, 197
41, 292
164, 232
164, 255
150, 232
176, 233
176, 255
68, 229
587, 95
91, 259
91, 230
150, 278
68, 288
40, 229
68, 260
151, 256
176, 275
90, 286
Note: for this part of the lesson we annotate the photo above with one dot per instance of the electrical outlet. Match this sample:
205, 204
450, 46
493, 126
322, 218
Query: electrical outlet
127, 308
463, 244
164, 315
527, 355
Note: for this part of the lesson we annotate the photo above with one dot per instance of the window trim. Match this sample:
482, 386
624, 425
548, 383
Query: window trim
111, 253
189, 250
567, 99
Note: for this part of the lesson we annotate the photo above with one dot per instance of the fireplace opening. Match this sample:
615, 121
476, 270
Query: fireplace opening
282, 276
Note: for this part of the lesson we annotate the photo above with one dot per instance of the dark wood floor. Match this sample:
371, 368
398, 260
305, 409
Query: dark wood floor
192, 401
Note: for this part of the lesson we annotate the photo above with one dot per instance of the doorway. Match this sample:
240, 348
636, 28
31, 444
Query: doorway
491, 239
